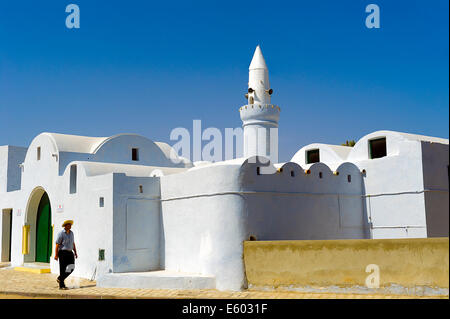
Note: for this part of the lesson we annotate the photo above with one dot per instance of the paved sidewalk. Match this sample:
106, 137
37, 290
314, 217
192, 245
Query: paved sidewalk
21, 284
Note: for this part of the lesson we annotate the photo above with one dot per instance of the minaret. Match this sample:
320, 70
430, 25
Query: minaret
259, 117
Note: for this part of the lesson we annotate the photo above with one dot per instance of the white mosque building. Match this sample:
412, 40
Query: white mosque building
143, 220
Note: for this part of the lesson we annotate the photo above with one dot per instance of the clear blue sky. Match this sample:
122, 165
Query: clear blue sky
147, 67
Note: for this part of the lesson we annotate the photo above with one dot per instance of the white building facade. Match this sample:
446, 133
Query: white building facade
144, 217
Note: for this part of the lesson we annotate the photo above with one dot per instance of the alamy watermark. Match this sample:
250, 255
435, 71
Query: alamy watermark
373, 19
217, 147
373, 280
211, 145
73, 19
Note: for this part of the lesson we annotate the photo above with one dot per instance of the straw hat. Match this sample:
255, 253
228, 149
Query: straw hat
67, 222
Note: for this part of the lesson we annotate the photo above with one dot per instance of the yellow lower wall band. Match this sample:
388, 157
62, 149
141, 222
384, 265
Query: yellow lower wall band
409, 263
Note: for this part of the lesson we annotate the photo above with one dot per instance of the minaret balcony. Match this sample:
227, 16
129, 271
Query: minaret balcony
260, 113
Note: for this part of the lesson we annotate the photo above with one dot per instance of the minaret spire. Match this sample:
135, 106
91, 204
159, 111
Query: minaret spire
258, 79
259, 116
258, 61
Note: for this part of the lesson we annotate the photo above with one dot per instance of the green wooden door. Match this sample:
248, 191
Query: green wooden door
43, 231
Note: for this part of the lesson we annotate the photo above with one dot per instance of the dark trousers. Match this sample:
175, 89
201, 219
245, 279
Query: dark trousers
66, 265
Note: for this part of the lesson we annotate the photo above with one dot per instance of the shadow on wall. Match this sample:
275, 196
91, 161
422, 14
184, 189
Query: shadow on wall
294, 203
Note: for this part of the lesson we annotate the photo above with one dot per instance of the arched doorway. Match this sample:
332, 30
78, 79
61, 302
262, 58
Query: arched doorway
44, 230
39, 220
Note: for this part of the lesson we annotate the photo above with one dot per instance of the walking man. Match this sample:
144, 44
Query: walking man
65, 244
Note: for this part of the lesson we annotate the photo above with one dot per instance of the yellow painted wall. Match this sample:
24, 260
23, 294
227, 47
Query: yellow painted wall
342, 263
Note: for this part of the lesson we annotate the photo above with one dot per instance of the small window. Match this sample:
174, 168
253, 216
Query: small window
312, 156
101, 254
101, 202
135, 154
320, 174
141, 189
349, 178
258, 172
292, 173
73, 179
377, 148
38, 153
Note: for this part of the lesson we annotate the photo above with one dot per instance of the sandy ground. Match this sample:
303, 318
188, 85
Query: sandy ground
23, 285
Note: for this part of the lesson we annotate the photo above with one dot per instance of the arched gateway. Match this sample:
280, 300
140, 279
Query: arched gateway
39, 219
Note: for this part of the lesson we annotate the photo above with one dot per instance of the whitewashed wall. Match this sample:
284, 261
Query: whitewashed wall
393, 186
292, 204
396, 201
3, 168
137, 224
93, 227
204, 224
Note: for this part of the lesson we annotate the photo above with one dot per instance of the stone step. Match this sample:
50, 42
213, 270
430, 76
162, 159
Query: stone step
159, 279
36, 268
